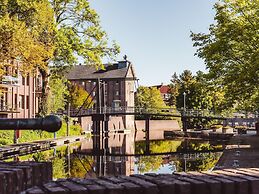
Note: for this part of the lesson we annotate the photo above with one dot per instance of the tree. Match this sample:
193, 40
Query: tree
57, 32
26, 31
149, 98
230, 50
79, 34
79, 97
58, 94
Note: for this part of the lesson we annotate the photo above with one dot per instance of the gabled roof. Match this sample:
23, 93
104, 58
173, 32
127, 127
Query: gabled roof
162, 88
112, 71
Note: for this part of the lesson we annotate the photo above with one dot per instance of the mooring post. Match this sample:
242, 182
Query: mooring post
147, 128
184, 121
97, 119
106, 134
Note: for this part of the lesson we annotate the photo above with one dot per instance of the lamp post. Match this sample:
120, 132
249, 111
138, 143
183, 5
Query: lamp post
184, 102
184, 121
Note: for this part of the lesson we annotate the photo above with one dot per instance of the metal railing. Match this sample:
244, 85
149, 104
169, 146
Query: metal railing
142, 110
8, 108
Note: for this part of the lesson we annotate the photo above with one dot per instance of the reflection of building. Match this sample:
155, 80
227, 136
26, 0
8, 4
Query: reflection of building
118, 143
20, 95
116, 86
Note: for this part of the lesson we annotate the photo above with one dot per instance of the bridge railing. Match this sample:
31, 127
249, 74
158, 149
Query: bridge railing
142, 110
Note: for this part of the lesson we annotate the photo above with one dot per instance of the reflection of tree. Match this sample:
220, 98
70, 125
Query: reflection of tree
59, 168
152, 163
205, 162
158, 146
149, 163
80, 166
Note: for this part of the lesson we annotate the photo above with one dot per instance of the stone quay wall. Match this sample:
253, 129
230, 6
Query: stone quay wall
228, 181
16, 177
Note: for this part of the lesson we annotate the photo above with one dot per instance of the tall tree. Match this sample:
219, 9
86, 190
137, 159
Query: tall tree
79, 34
26, 32
149, 98
56, 32
230, 49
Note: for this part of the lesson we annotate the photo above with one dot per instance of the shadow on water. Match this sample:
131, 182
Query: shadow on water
120, 154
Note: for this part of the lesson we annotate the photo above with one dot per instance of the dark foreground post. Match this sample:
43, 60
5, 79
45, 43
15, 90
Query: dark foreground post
49, 123
257, 128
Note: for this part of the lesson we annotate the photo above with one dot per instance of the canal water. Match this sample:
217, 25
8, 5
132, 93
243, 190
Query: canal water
121, 154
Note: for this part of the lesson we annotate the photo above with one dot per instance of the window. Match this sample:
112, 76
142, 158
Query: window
117, 93
23, 81
117, 83
15, 101
83, 83
27, 102
22, 102
28, 80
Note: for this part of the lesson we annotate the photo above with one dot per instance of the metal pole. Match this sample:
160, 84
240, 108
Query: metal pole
98, 100
68, 115
50, 123
184, 102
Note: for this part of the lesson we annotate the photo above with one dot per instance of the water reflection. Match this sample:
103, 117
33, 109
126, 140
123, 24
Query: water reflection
120, 154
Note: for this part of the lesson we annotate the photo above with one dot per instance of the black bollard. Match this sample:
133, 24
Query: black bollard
49, 123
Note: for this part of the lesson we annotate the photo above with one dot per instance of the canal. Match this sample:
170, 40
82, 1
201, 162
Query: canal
121, 154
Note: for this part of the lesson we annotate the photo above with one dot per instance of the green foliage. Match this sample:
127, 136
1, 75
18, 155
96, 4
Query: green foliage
58, 94
59, 168
6, 136
26, 32
207, 160
56, 32
79, 33
152, 163
149, 99
158, 146
231, 53
79, 97
80, 166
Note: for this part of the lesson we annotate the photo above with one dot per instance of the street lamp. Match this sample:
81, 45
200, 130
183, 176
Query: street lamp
184, 102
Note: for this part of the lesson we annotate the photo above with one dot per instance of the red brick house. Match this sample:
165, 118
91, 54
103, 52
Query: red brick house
117, 85
164, 91
20, 95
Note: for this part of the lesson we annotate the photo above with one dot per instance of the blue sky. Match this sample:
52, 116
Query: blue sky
155, 34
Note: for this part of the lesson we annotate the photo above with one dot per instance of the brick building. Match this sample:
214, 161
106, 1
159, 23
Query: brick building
116, 86
20, 95
164, 92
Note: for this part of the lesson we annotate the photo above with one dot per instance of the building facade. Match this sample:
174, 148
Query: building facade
164, 92
112, 86
20, 95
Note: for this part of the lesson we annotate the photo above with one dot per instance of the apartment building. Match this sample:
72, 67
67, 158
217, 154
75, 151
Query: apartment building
20, 95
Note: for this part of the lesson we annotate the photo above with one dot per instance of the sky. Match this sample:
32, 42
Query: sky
155, 35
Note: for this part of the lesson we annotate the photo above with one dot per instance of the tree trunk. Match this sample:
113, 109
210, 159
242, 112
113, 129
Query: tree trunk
45, 92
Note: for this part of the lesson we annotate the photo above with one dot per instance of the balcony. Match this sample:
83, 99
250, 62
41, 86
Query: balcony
8, 109
8, 80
